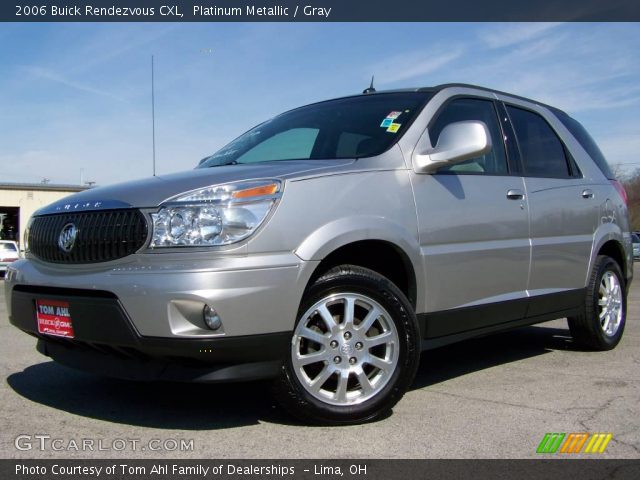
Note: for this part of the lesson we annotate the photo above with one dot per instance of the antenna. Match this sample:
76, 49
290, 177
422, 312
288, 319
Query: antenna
370, 89
153, 119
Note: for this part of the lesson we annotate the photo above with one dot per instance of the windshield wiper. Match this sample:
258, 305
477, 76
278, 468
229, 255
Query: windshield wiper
224, 164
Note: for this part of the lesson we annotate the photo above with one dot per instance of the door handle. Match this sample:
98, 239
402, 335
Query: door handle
515, 194
587, 193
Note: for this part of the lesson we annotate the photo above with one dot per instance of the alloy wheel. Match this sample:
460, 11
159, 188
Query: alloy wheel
345, 349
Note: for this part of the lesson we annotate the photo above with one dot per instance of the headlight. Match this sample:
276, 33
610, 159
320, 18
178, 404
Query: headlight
25, 237
216, 215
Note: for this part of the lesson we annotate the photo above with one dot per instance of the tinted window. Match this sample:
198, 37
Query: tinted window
588, 143
542, 151
493, 162
360, 126
635, 238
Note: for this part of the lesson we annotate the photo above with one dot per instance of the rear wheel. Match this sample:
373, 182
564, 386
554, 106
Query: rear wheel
601, 323
354, 351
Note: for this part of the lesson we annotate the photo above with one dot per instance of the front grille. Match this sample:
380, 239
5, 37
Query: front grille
101, 236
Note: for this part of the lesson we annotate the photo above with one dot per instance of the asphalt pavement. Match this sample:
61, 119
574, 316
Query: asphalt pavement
492, 397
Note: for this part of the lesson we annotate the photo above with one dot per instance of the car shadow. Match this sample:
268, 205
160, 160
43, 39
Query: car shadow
176, 406
477, 354
193, 407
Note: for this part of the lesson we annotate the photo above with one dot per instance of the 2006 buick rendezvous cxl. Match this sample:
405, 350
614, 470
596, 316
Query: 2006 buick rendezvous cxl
327, 247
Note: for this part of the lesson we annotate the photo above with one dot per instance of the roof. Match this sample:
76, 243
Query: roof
438, 88
52, 187
477, 87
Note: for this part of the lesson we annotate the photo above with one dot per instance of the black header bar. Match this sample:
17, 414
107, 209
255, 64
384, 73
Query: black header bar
279, 469
319, 10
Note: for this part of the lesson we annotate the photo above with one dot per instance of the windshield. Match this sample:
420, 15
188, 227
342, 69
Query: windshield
635, 238
8, 247
352, 127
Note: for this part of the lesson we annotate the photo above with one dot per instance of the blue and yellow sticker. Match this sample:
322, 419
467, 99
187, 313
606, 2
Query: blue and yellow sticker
389, 123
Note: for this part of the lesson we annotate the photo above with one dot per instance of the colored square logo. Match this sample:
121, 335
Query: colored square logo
394, 127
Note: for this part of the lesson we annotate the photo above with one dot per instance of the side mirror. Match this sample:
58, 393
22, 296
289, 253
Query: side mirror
458, 142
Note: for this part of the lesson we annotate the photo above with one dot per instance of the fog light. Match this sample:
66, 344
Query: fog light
211, 318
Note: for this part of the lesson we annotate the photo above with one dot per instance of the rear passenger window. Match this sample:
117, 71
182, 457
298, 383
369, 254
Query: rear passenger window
494, 162
542, 151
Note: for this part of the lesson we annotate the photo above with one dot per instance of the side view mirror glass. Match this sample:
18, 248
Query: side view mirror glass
458, 142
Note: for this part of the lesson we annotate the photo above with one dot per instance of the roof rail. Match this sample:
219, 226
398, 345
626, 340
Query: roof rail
492, 90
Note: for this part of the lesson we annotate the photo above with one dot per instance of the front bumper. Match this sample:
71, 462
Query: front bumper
106, 342
164, 295
143, 320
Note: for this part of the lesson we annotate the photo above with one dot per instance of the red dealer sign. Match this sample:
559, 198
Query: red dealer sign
53, 318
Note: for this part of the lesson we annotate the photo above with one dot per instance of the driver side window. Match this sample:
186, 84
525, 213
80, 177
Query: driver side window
492, 163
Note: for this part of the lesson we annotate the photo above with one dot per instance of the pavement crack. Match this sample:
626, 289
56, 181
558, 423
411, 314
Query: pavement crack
633, 446
596, 411
498, 402
581, 375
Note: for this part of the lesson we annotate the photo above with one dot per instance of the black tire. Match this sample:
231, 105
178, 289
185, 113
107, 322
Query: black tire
586, 328
293, 396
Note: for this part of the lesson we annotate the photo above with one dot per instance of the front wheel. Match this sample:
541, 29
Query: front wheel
354, 351
601, 323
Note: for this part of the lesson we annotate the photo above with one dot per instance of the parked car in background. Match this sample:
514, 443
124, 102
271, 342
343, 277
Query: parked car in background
635, 237
327, 247
9, 253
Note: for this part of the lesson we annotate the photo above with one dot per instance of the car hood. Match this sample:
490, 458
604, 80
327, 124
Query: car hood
150, 192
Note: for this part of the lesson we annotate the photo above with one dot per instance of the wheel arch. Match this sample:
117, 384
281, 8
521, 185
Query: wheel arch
615, 250
375, 243
380, 256
609, 241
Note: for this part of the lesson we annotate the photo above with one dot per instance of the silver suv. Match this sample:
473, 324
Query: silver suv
327, 247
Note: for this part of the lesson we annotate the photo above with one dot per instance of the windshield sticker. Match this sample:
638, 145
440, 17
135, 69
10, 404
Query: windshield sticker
386, 122
393, 115
393, 128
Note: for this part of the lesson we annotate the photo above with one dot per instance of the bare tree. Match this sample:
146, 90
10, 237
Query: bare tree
631, 183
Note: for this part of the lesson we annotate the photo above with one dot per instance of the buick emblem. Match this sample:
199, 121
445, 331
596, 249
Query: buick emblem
67, 237
346, 349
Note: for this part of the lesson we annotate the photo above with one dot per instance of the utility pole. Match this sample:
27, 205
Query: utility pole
153, 119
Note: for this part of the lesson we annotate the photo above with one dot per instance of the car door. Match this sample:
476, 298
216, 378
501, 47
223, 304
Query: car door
473, 229
563, 214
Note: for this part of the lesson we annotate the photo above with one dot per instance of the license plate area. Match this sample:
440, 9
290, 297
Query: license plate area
53, 318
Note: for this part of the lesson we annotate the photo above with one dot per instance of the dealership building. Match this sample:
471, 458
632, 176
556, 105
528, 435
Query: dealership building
18, 201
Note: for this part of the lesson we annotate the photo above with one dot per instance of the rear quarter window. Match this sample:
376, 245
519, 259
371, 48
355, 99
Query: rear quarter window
587, 142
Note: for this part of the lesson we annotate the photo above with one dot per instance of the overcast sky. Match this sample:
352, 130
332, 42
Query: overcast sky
77, 96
